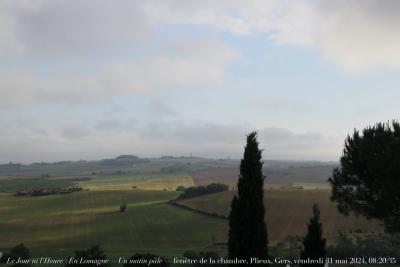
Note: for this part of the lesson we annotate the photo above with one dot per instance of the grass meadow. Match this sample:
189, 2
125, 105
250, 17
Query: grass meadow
57, 225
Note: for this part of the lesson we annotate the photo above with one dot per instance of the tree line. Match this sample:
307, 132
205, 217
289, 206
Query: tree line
195, 191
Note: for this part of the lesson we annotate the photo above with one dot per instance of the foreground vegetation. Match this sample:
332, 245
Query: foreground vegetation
195, 191
57, 225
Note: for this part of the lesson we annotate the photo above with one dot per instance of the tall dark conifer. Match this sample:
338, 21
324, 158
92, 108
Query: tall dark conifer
313, 242
248, 232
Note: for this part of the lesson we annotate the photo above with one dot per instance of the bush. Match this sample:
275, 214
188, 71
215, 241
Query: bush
180, 188
195, 191
18, 252
123, 207
365, 246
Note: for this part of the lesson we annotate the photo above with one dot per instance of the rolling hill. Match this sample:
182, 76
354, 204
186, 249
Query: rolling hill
288, 212
57, 225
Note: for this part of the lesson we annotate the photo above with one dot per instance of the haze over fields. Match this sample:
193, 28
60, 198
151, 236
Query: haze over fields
200, 171
89, 79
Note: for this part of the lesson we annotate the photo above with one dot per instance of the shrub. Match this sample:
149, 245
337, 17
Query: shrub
18, 252
365, 246
195, 191
180, 188
123, 207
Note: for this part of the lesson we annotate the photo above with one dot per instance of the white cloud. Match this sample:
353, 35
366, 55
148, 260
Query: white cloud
202, 62
108, 124
280, 104
356, 35
283, 143
197, 64
361, 35
62, 28
76, 131
84, 51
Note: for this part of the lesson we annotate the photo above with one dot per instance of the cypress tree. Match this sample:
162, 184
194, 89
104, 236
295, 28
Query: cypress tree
313, 242
248, 232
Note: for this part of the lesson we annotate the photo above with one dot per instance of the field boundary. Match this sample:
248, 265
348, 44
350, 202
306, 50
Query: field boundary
202, 212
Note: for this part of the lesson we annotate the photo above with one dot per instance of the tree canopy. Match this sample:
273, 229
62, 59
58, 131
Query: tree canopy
195, 191
367, 181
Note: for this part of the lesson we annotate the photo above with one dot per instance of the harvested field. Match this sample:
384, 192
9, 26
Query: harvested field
288, 212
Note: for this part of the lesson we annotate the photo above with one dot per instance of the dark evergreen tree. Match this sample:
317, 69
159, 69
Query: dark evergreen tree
235, 233
248, 232
367, 181
313, 243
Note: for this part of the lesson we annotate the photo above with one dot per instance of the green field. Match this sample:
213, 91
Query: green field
59, 224
288, 212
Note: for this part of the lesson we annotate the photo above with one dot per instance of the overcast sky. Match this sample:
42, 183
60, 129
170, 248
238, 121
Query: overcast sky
94, 79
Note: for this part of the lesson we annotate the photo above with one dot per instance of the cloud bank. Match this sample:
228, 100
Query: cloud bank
27, 142
355, 35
